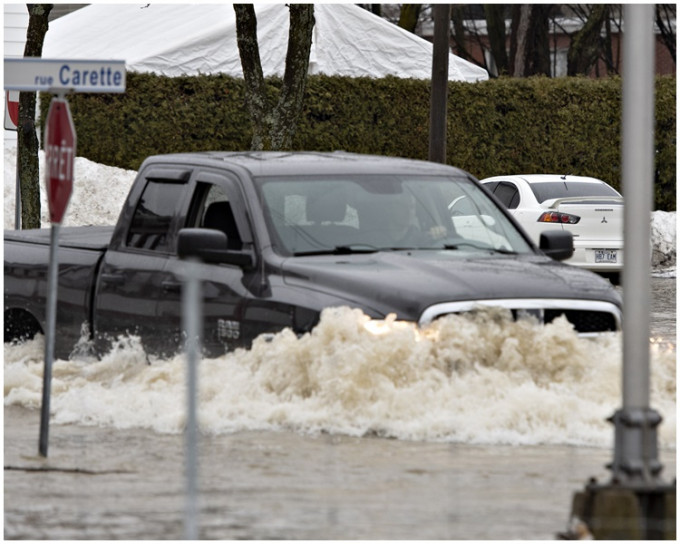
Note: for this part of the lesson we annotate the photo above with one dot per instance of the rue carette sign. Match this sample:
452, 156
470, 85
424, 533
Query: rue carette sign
54, 75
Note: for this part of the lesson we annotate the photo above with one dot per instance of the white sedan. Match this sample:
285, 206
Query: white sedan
587, 207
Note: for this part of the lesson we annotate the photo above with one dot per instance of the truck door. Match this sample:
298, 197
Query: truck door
131, 281
217, 203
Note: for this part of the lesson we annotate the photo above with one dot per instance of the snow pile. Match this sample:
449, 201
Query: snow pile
100, 191
663, 237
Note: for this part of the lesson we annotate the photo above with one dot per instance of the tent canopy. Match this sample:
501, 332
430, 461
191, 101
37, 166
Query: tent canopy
192, 39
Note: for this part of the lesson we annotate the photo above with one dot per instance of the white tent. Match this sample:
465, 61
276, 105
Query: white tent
192, 39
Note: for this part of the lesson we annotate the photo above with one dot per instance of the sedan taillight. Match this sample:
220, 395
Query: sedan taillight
557, 217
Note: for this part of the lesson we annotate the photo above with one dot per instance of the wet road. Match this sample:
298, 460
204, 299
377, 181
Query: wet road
663, 311
109, 484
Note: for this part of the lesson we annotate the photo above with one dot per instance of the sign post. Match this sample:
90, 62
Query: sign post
60, 152
192, 316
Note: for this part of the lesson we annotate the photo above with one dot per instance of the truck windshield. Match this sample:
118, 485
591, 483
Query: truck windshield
316, 214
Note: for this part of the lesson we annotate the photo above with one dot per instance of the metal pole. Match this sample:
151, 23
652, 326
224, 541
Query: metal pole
440, 80
17, 198
638, 173
50, 318
635, 455
191, 317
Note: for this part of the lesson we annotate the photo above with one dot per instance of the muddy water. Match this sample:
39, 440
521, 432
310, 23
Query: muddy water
478, 430
112, 484
663, 310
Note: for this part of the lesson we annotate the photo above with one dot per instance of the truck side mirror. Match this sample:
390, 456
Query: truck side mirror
210, 246
557, 244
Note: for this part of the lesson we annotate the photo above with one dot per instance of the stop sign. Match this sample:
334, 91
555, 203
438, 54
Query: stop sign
60, 152
11, 110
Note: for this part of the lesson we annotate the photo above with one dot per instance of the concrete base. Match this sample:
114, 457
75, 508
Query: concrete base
616, 512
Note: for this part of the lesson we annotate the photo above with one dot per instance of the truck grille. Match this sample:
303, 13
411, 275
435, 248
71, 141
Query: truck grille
589, 317
585, 321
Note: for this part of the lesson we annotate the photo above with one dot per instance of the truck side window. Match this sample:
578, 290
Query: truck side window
150, 226
218, 214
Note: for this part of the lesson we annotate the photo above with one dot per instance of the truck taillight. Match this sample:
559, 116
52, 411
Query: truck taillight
557, 217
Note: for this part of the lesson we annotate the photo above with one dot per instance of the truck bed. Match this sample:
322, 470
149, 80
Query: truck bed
93, 238
26, 260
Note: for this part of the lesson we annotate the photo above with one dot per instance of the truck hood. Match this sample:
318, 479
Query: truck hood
407, 282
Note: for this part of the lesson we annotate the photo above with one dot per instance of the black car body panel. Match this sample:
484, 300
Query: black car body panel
418, 279
283, 261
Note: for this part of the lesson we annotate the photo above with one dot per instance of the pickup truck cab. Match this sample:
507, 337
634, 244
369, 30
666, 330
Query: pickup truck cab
282, 236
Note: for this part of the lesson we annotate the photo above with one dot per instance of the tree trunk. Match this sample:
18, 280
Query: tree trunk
274, 127
608, 51
495, 23
27, 138
530, 48
408, 16
457, 18
585, 45
540, 30
256, 91
289, 107
665, 13
522, 41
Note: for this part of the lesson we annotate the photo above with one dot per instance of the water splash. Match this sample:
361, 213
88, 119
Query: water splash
477, 379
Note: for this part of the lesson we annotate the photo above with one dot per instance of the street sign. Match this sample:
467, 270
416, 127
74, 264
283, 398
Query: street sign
11, 110
85, 76
60, 152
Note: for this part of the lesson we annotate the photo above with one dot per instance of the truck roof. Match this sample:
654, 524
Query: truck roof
270, 163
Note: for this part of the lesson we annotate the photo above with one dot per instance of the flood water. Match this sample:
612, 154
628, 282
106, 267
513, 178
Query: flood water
474, 429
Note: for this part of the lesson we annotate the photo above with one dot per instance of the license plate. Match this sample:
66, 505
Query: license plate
605, 256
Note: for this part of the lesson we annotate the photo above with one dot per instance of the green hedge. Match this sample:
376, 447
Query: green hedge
506, 125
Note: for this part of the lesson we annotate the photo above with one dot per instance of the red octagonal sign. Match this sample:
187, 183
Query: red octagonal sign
60, 153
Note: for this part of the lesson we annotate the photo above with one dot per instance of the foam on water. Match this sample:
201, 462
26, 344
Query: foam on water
482, 379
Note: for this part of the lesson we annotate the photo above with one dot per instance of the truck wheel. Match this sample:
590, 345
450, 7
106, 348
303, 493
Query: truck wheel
20, 325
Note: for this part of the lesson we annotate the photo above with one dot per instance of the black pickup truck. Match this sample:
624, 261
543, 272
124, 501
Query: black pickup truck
280, 237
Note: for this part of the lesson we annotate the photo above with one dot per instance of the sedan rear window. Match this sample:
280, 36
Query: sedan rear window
548, 191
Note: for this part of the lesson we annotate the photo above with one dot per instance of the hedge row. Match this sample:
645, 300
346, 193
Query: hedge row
506, 125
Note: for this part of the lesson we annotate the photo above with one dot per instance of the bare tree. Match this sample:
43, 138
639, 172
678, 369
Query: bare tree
529, 43
586, 45
408, 16
27, 138
665, 13
274, 125
588, 41
459, 14
495, 24
528, 38
529, 35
